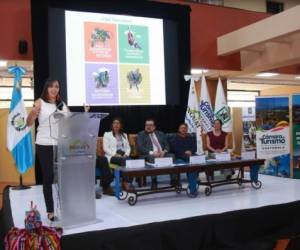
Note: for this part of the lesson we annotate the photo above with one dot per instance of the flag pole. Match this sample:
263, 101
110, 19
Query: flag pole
20, 186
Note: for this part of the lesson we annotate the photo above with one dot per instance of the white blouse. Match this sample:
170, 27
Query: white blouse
47, 130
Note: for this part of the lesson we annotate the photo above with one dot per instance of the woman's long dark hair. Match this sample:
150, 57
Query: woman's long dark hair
44, 96
121, 126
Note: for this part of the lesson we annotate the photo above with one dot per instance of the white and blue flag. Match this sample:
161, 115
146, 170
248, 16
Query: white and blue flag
192, 116
206, 112
222, 110
19, 140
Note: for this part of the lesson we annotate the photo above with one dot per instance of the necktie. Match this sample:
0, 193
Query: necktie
155, 142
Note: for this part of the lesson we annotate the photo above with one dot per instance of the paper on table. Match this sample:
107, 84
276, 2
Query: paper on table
198, 159
163, 162
223, 156
135, 163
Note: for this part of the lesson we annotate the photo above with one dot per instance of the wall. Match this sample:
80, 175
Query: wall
15, 25
283, 90
207, 23
257, 5
8, 171
253, 5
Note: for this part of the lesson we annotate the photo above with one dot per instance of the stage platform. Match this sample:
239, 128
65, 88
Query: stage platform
272, 211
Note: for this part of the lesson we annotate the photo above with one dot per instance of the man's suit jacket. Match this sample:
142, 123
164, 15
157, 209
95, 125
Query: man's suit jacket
144, 142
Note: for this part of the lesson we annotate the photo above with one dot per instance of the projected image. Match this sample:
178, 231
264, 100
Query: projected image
100, 37
131, 39
101, 78
134, 78
114, 59
135, 84
100, 42
133, 44
101, 84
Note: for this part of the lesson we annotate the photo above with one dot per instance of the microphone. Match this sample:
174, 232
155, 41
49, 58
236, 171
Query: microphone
56, 114
59, 106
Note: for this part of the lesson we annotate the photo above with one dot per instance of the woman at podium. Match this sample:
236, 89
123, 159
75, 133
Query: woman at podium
49, 103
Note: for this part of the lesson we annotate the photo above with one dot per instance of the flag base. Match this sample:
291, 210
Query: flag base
20, 187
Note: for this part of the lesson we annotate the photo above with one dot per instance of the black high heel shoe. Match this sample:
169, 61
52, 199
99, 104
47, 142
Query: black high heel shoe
52, 217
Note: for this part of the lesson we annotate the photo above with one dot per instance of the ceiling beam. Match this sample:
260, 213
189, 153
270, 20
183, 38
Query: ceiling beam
275, 55
276, 26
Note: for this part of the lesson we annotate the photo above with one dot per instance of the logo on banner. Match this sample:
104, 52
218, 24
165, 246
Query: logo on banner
207, 116
272, 139
18, 122
273, 142
223, 114
193, 117
78, 147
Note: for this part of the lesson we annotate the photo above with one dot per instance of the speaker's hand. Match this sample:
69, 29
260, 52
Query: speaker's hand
86, 107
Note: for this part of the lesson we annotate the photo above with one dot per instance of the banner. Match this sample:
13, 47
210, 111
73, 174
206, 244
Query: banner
19, 140
192, 117
249, 129
222, 111
206, 111
296, 133
272, 134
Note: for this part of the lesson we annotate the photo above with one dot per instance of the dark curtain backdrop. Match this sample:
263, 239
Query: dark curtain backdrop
167, 116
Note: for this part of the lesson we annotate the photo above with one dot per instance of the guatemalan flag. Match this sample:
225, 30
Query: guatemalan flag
19, 140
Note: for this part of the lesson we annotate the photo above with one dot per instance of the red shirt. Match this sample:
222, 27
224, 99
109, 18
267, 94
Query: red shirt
217, 142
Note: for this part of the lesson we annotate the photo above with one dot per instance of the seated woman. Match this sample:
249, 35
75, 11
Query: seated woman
183, 146
217, 142
116, 145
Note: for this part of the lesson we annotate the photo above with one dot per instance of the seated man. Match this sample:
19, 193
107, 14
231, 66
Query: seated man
183, 146
152, 144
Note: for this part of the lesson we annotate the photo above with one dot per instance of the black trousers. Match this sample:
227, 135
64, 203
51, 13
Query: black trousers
106, 176
45, 155
121, 161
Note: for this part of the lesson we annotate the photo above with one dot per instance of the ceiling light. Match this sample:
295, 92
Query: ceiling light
198, 71
267, 74
3, 63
